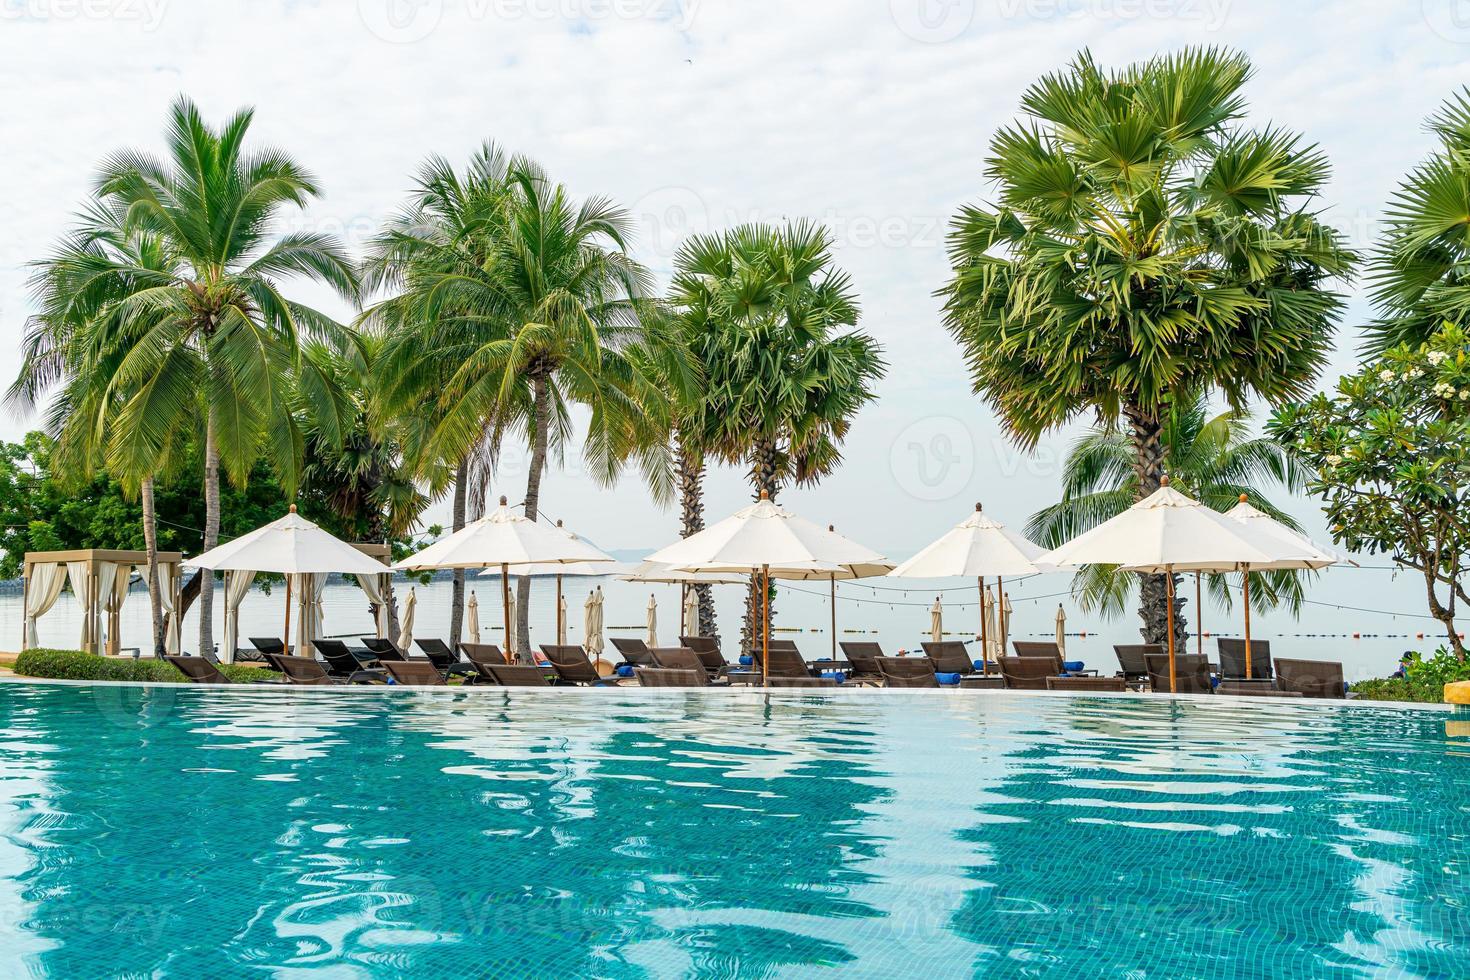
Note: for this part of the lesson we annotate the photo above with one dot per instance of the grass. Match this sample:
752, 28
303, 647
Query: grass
75, 665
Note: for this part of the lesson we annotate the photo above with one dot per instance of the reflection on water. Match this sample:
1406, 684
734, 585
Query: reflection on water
201, 833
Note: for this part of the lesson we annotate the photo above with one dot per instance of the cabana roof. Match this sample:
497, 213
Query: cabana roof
118, 556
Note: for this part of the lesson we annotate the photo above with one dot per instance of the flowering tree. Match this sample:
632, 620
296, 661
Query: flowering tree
1392, 452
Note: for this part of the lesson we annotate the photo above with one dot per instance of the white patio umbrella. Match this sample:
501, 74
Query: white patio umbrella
1061, 629
691, 612
405, 631
504, 539
768, 541
472, 618
1165, 533
290, 546
592, 640
652, 640
936, 621
978, 548
577, 569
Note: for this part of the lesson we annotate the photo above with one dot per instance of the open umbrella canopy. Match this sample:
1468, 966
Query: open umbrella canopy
655, 573
504, 538
974, 547
1168, 531
767, 535
289, 545
544, 569
1263, 524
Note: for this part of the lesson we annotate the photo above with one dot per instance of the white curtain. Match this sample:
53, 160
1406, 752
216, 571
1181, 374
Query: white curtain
237, 585
46, 580
168, 588
109, 576
308, 588
373, 588
79, 574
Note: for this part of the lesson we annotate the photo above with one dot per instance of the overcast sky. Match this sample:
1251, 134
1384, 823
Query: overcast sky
870, 116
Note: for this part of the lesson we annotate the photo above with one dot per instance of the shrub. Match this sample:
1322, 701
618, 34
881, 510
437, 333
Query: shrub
1425, 679
75, 665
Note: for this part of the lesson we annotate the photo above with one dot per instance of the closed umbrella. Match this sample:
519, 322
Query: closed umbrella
691, 612
936, 621
505, 540
977, 548
769, 541
652, 621
405, 632
1165, 533
1061, 629
472, 618
592, 640
1005, 615
992, 642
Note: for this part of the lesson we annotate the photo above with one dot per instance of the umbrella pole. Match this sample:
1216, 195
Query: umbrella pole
285, 630
1000, 613
1169, 593
1199, 617
561, 627
1246, 578
510, 647
766, 625
984, 639
834, 616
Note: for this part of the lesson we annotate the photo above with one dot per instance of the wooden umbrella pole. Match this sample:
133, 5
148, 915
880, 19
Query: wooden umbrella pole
766, 625
1246, 578
561, 627
1169, 594
510, 647
1000, 613
984, 637
1199, 616
286, 630
834, 616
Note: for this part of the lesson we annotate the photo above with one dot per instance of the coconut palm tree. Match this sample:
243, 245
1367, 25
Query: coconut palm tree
1213, 459
769, 322
1418, 271
210, 341
1143, 247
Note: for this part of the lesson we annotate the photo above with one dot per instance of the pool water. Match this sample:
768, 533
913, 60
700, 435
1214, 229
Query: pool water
189, 832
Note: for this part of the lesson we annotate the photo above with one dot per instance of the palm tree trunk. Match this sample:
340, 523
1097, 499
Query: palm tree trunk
211, 535
150, 542
689, 471
764, 478
1150, 456
541, 401
456, 602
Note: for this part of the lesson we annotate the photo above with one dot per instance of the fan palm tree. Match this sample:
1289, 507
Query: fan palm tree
1143, 248
209, 340
1215, 460
769, 323
1418, 272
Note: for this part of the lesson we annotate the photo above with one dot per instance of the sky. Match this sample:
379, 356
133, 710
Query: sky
872, 117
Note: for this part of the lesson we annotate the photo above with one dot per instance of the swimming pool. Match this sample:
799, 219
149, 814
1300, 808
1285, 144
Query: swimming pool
190, 832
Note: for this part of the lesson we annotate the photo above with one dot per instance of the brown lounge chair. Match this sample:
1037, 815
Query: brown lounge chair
635, 652
1132, 665
707, 648
671, 676
385, 650
302, 670
1086, 684
573, 667
198, 670
950, 657
785, 661
343, 661
863, 656
414, 673
1232, 658
803, 682
680, 658
1310, 678
1191, 672
515, 675
1028, 673
1253, 689
441, 656
907, 672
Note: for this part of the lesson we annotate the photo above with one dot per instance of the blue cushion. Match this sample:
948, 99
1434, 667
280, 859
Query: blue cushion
746, 661
836, 675
625, 670
978, 664
1073, 666
1214, 682
948, 680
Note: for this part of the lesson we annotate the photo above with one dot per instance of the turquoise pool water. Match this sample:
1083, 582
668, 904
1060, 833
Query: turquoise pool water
187, 832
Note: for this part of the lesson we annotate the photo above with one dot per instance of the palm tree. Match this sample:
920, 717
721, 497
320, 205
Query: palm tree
1214, 460
769, 321
1418, 271
1143, 248
210, 336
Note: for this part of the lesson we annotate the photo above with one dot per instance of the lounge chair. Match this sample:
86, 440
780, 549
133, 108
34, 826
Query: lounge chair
1133, 666
907, 672
671, 676
573, 667
1028, 673
677, 658
444, 659
301, 670
1232, 658
803, 682
1086, 684
1253, 689
268, 644
950, 657
1310, 678
414, 673
863, 656
1050, 648
515, 675
635, 652
343, 661
708, 650
384, 649
198, 670
1191, 671
786, 662
480, 655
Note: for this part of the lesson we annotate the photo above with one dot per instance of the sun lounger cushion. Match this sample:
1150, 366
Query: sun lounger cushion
979, 665
836, 675
747, 661
947, 680
1073, 666
625, 670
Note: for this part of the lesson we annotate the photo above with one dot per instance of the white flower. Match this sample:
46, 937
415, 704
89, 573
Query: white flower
1416, 373
1437, 357
1385, 375
1444, 390
1334, 460
1465, 394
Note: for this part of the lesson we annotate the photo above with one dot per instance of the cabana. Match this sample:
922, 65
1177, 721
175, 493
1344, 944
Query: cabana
99, 578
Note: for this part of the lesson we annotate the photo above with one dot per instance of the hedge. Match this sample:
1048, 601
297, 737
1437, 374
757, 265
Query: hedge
76, 665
